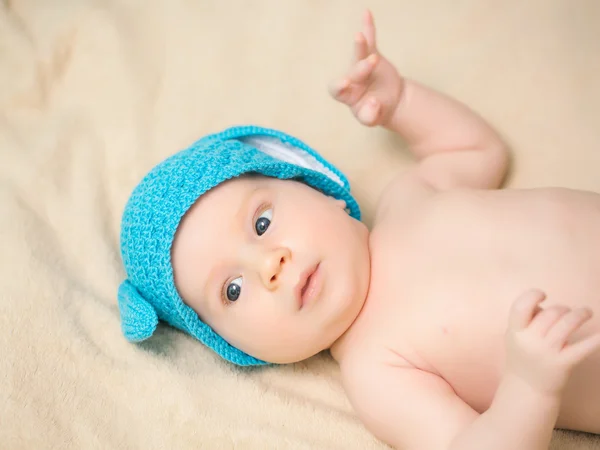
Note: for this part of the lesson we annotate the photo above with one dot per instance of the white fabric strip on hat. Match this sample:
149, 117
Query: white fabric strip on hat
283, 151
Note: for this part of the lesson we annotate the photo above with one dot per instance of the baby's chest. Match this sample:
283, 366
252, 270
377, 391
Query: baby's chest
442, 285
444, 313
460, 268
452, 332
446, 334
444, 306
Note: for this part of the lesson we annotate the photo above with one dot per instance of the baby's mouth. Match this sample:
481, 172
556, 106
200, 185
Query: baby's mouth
308, 285
305, 286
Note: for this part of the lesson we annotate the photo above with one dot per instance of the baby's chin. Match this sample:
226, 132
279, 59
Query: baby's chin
293, 357
301, 349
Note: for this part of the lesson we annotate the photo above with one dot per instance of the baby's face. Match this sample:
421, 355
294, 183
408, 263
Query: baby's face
242, 255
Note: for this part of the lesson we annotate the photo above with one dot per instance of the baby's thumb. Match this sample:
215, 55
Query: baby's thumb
369, 112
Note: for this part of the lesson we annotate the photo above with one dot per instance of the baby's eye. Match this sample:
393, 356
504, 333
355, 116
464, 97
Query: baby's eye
263, 221
234, 290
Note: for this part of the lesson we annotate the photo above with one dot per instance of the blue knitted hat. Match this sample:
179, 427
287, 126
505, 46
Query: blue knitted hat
160, 200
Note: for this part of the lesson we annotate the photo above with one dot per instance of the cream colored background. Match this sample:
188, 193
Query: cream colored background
93, 93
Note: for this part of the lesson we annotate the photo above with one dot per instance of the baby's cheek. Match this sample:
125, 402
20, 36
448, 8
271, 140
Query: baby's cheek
261, 320
330, 226
271, 334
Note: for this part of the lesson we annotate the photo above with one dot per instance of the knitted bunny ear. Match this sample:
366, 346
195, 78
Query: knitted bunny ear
138, 317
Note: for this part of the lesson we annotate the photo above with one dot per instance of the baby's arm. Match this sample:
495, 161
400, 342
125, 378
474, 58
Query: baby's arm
454, 145
412, 409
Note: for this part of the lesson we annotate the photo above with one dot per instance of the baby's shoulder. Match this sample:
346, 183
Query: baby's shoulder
364, 363
402, 193
383, 395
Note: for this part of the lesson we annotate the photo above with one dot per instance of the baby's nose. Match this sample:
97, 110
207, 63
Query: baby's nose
272, 266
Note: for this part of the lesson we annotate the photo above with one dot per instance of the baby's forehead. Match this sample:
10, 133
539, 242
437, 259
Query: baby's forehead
243, 182
214, 209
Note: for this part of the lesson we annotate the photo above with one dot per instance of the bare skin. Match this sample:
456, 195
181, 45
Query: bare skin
433, 348
469, 316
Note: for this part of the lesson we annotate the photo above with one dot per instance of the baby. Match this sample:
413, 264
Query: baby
461, 320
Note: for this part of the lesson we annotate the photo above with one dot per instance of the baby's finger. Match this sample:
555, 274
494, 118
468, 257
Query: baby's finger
524, 309
369, 112
546, 318
577, 352
559, 334
369, 31
362, 69
339, 88
360, 47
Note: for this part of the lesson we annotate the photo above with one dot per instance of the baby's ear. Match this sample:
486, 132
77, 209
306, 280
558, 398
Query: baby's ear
138, 317
338, 203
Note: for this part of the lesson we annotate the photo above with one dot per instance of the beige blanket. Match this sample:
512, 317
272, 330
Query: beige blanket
95, 92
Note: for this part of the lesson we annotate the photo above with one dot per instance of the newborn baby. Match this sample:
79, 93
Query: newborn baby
466, 310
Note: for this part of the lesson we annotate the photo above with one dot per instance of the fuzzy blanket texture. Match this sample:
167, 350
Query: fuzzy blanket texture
93, 93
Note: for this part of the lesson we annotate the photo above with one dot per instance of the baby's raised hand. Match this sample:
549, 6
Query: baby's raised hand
372, 86
539, 342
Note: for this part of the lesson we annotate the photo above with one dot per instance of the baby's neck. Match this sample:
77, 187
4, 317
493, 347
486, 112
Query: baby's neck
340, 348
